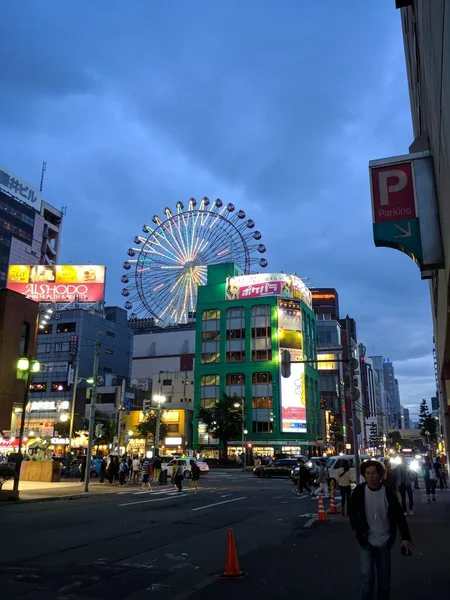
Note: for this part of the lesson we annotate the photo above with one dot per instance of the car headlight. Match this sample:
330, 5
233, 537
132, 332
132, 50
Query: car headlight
309, 464
414, 465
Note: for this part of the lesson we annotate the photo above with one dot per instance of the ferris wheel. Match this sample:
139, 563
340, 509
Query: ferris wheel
169, 262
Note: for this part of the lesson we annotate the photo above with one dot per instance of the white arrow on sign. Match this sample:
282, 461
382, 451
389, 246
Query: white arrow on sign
406, 232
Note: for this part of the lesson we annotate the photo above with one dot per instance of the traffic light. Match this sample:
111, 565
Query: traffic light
99, 430
285, 364
146, 406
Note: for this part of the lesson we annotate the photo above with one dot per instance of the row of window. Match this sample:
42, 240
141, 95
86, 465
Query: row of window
236, 379
55, 386
16, 213
46, 347
66, 328
237, 312
16, 231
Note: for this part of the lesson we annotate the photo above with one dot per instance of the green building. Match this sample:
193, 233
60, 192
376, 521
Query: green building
243, 324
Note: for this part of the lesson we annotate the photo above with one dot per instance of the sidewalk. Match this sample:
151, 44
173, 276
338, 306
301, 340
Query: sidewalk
323, 562
34, 491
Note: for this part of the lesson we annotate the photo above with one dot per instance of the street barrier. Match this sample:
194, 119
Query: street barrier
232, 568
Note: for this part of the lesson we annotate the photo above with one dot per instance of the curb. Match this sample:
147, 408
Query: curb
48, 499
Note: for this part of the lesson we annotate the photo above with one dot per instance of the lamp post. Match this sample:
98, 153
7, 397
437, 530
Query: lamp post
427, 433
159, 399
87, 475
244, 431
25, 370
76, 381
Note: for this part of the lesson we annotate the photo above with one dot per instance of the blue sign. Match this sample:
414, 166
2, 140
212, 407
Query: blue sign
128, 405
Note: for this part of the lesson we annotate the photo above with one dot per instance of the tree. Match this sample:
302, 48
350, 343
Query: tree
395, 439
427, 423
147, 429
108, 426
335, 433
223, 420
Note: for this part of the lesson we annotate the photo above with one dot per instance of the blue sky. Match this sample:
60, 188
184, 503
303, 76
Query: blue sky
274, 106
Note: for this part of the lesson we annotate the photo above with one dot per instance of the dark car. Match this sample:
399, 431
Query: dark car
279, 468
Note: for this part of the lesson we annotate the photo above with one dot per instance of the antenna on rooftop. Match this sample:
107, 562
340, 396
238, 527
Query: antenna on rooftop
44, 168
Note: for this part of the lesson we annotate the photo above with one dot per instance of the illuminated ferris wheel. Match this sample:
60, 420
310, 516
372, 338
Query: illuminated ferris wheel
169, 262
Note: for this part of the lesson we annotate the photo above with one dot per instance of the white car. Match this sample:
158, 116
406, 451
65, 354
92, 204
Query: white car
186, 466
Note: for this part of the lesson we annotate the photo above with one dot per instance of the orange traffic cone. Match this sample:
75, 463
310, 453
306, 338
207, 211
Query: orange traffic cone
333, 510
321, 514
232, 569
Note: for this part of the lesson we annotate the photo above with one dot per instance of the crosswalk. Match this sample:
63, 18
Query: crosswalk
159, 495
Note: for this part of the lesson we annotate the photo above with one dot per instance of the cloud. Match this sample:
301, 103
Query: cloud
275, 108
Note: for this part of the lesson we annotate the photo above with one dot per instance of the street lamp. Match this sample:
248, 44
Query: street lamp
25, 370
244, 431
427, 434
159, 399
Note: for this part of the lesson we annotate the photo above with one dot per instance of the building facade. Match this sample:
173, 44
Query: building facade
65, 349
426, 34
392, 389
242, 324
30, 229
18, 327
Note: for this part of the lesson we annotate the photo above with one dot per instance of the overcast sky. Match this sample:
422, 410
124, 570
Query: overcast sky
274, 106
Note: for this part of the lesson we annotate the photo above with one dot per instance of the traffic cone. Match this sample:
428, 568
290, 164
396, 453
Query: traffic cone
321, 514
333, 510
232, 569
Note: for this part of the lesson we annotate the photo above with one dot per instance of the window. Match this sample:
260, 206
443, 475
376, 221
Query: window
172, 428
109, 351
43, 348
107, 370
235, 344
45, 329
235, 334
235, 379
261, 390
110, 334
262, 402
24, 339
60, 386
38, 387
66, 327
236, 385
262, 378
167, 382
209, 390
261, 333
211, 336
61, 346
236, 356
262, 427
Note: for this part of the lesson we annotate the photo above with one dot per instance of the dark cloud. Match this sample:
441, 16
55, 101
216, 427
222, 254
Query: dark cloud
277, 108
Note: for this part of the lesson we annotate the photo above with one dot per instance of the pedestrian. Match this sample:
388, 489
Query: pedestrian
136, 469
115, 468
404, 482
345, 486
375, 515
390, 477
123, 471
430, 478
322, 481
103, 466
145, 482
130, 468
195, 475
439, 472
157, 464
83, 468
179, 475
443, 471
303, 477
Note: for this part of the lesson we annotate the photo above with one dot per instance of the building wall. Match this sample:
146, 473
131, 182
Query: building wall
15, 310
241, 377
426, 32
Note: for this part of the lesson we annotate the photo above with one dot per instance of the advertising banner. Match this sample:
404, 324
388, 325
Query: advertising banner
54, 367
293, 400
267, 284
58, 283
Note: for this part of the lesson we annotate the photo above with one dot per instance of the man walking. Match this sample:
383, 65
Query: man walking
375, 514
157, 464
303, 477
404, 487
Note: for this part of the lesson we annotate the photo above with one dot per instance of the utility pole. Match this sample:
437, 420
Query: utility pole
74, 399
353, 364
120, 411
87, 475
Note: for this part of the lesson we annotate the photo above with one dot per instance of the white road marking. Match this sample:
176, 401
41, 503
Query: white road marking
151, 500
217, 503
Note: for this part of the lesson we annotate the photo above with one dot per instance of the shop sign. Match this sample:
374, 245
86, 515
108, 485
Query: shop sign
49, 405
173, 441
19, 189
267, 284
60, 441
54, 367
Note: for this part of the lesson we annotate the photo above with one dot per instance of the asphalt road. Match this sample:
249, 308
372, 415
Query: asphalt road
171, 545
132, 544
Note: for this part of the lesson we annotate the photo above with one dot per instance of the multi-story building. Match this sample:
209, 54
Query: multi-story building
371, 401
377, 362
18, 320
30, 229
406, 418
243, 322
65, 349
392, 389
325, 302
426, 31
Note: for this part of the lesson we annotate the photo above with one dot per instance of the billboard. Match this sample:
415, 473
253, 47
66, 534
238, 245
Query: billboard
58, 283
293, 400
261, 285
292, 388
19, 189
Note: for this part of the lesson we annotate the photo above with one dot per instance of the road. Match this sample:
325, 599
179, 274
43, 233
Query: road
170, 545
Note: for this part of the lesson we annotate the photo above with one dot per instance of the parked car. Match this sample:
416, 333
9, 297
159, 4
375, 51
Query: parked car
186, 466
279, 468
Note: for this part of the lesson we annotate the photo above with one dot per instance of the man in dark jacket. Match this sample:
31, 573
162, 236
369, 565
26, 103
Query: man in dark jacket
375, 514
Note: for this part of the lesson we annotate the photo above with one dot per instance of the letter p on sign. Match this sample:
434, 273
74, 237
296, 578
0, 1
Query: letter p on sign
386, 189
392, 192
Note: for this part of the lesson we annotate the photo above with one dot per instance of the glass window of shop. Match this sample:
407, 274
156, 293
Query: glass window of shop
235, 343
261, 333
209, 390
211, 336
